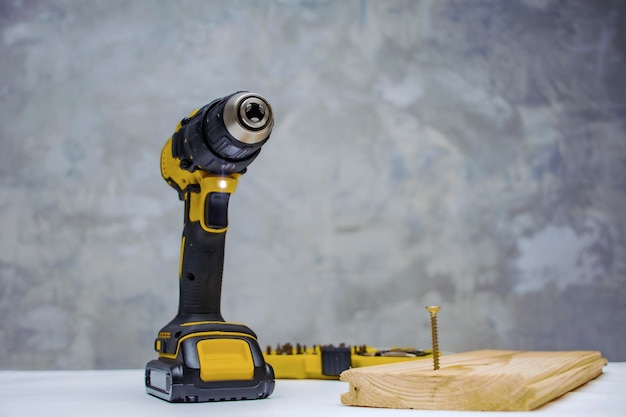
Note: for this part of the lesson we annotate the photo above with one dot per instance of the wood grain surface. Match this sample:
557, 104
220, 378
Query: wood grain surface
486, 380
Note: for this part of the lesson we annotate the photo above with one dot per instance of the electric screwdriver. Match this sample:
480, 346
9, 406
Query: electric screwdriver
202, 357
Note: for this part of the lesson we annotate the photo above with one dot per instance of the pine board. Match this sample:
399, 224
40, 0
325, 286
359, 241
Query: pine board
484, 380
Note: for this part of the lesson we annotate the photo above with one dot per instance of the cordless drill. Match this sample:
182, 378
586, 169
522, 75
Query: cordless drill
202, 357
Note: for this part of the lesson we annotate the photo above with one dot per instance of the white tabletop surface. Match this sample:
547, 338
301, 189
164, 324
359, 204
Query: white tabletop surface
121, 393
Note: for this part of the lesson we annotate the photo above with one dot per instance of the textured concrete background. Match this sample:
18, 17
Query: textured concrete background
467, 154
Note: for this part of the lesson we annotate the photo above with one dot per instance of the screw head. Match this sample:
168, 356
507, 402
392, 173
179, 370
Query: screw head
432, 309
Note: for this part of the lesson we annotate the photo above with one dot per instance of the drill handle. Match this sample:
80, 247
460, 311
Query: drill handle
201, 268
202, 248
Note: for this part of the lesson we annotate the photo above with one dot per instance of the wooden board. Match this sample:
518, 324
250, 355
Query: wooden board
487, 380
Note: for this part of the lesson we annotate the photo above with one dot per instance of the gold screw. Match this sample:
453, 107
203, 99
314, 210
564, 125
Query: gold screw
433, 328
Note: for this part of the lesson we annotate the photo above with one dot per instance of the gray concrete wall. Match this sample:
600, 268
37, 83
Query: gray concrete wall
466, 154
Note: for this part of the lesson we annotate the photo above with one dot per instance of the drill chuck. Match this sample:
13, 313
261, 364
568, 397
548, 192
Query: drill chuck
248, 118
224, 136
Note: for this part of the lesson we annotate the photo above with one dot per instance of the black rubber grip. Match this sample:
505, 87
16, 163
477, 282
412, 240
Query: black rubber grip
201, 274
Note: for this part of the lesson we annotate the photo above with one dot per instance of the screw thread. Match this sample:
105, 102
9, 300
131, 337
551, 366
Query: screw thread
435, 337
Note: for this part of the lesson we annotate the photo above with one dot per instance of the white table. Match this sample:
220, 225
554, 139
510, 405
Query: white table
121, 393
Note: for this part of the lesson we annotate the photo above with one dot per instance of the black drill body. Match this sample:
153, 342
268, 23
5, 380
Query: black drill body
201, 356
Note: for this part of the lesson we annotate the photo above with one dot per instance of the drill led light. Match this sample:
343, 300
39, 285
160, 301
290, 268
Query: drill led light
222, 184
